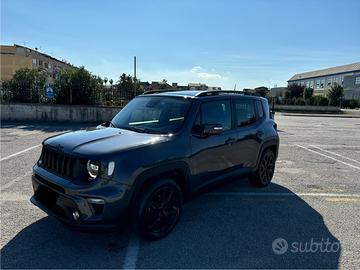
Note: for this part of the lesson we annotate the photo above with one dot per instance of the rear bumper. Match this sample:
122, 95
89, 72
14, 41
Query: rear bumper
98, 207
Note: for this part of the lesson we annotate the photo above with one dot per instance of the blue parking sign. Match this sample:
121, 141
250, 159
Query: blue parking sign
49, 93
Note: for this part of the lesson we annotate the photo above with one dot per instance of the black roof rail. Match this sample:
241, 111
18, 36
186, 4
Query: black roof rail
219, 92
161, 91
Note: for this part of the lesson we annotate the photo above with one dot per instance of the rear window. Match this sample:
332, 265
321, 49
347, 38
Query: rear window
260, 109
244, 113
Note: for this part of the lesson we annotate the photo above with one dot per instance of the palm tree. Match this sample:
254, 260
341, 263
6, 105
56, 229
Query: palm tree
105, 80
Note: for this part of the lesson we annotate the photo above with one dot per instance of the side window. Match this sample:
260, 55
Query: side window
216, 112
245, 113
260, 109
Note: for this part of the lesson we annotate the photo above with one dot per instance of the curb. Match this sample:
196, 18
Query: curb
321, 115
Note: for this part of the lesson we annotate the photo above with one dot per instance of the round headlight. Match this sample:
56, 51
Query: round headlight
93, 168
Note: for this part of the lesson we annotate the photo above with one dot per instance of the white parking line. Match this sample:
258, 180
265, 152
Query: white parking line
283, 194
333, 153
19, 153
132, 252
9, 184
310, 150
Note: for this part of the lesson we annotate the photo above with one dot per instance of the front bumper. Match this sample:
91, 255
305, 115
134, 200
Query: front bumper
97, 206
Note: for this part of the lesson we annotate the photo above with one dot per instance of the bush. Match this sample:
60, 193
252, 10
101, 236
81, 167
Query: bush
295, 90
350, 104
335, 95
299, 101
27, 85
78, 86
308, 93
319, 101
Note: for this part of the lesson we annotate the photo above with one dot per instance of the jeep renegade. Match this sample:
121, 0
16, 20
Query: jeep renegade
158, 148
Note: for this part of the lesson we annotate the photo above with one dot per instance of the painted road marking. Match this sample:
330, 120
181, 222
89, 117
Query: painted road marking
310, 150
333, 153
132, 252
19, 153
283, 194
9, 184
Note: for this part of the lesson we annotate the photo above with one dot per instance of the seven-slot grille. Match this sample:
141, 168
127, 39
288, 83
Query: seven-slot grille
60, 163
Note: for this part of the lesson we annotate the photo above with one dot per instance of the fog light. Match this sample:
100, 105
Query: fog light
76, 215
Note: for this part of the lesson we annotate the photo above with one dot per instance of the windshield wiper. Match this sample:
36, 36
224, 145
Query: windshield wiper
136, 129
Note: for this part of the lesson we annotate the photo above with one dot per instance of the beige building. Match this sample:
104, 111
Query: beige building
347, 76
14, 57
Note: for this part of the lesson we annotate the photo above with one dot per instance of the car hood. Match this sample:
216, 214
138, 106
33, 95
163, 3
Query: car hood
102, 141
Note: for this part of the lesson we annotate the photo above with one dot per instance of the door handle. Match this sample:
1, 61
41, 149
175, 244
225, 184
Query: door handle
230, 141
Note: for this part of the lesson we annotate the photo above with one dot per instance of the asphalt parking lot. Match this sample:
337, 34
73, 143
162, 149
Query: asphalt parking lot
309, 217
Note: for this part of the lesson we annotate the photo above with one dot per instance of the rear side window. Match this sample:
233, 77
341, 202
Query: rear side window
216, 112
260, 109
244, 112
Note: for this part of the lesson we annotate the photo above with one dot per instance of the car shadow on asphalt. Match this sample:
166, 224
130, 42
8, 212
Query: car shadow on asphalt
216, 231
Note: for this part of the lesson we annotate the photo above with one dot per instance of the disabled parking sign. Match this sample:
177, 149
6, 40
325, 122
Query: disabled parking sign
49, 93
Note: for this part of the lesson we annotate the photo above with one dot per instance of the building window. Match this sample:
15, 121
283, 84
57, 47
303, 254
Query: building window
307, 84
50, 65
329, 81
322, 83
312, 84
317, 84
40, 63
34, 61
357, 80
46, 65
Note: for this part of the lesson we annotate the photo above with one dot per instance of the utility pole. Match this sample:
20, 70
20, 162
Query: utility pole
134, 76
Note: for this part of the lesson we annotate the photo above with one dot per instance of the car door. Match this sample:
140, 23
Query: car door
210, 154
246, 146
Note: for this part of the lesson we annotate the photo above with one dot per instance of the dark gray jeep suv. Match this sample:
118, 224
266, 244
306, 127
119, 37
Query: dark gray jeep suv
158, 148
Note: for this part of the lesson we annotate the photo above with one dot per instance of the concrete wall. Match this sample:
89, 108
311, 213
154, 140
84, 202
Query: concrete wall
314, 109
57, 113
63, 113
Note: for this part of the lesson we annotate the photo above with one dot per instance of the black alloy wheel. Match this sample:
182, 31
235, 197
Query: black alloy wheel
160, 210
262, 177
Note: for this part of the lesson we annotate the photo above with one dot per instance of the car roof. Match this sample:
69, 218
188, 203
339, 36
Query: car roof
201, 93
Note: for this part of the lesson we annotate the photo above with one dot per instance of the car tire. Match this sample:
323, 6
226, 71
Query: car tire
158, 209
265, 171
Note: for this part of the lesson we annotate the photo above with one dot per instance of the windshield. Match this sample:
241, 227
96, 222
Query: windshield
162, 115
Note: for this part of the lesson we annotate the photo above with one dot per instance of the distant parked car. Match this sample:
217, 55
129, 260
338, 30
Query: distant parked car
158, 148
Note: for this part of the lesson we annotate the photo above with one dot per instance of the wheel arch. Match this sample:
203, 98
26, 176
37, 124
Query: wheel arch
273, 145
177, 171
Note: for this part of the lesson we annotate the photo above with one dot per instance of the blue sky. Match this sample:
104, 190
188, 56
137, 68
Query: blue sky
247, 43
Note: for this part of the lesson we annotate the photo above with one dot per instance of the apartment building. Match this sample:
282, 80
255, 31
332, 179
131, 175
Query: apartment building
14, 57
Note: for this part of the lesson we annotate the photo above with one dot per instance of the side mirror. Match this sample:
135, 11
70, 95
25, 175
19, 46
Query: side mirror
207, 130
103, 125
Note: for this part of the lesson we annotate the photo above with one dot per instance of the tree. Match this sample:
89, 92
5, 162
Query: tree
27, 85
78, 86
335, 94
111, 82
295, 90
262, 91
308, 93
105, 80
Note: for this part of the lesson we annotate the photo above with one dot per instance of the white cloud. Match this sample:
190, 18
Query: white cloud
201, 73
209, 76
196, 69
